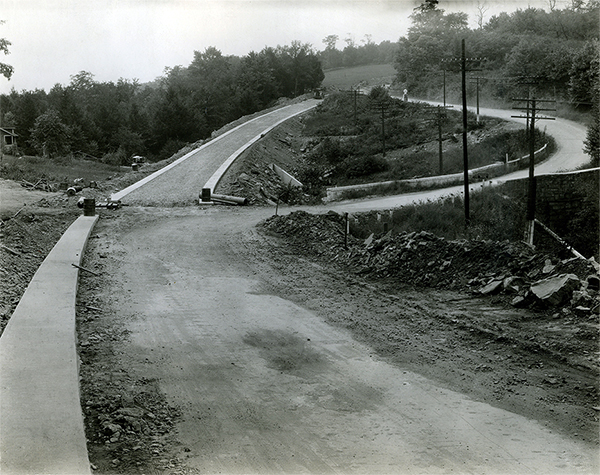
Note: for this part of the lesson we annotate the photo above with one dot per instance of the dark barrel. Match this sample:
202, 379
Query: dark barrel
89, 207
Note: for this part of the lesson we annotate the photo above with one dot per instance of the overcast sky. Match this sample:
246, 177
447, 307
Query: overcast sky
54, 39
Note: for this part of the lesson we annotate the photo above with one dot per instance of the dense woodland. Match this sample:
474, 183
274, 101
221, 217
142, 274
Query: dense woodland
111, 121
551, 54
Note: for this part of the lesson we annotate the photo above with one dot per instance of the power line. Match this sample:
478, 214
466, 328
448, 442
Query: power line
531, 109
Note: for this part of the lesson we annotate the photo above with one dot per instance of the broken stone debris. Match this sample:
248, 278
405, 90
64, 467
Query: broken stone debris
557, 290
424, 259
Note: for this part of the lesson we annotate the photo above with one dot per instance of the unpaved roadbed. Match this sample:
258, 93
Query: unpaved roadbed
441, 335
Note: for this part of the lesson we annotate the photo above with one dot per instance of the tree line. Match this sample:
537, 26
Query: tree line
112, 121
354, 54
550, 53
531, 52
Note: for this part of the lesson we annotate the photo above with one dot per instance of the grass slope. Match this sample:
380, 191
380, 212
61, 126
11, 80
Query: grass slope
372, 75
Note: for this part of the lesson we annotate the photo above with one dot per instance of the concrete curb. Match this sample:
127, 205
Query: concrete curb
214, 180
41, 422
120, 194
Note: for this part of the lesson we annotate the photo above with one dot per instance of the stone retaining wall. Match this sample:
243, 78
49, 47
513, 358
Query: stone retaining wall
558, 196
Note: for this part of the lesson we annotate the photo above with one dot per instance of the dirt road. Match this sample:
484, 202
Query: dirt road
258, 352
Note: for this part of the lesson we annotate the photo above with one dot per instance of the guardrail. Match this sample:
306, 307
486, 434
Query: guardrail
494, 169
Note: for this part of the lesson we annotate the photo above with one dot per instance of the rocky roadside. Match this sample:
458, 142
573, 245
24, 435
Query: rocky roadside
562, 295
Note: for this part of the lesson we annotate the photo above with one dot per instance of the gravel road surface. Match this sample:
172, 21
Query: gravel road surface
265, 384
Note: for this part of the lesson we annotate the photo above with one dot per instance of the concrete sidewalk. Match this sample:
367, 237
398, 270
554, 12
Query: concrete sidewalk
41, 422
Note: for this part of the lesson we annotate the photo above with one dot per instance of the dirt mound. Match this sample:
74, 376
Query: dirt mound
423, 258
507, 269
251, 175
26, 239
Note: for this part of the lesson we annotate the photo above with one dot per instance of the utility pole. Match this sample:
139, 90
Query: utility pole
382, 105
477, 78
383, 128
463, 69
531, 109
438, 121
354, 93
444, 88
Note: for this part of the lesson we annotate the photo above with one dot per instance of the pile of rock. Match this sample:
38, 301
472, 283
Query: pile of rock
260, 185
511, 269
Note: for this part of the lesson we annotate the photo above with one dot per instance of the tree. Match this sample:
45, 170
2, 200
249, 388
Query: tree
211, 83
50, 136
427, 6
585, 74
256, 86
296, 68
592, 141
330, 42
5, 69
482, 8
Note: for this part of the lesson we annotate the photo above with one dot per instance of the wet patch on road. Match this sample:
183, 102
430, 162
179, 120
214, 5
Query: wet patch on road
285, 351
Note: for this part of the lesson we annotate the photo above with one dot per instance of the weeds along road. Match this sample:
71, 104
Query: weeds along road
569, 156
242, 339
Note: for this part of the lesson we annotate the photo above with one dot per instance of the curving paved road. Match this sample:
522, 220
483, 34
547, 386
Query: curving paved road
569, 156
265, 385
181, 182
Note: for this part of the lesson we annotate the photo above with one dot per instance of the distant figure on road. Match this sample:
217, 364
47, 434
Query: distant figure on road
405, 95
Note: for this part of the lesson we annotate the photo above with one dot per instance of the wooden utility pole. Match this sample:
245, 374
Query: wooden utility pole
354, 93
463, 69
531, 109
476, 80
382, 106
438, 121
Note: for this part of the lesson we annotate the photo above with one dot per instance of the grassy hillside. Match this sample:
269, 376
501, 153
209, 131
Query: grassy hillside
372, 75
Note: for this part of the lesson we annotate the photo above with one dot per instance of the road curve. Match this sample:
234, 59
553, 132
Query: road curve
264, 384
181, 182
569, 156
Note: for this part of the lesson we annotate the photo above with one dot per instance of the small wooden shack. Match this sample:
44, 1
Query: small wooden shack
8, 138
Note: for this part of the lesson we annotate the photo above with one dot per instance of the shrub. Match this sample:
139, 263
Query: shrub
115, 158
365, 165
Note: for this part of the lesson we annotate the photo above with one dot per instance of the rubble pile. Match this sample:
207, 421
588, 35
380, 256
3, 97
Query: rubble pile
513, 270
259, 184
130, 430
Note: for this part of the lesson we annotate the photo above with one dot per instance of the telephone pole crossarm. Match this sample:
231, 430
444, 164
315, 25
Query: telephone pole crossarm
531, 110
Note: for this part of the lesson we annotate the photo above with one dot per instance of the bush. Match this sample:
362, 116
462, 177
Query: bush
312, 181
115, 158
365, 165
